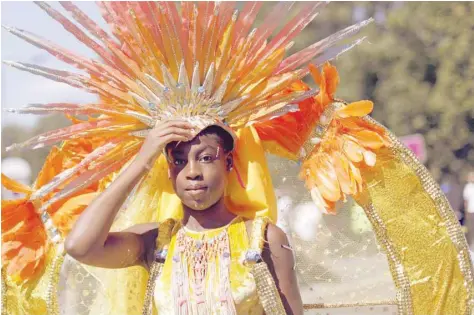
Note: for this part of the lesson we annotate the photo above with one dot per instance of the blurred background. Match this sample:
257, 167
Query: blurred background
417, 65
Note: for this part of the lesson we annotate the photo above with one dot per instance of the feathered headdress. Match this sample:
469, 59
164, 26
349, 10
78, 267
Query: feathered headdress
206, 63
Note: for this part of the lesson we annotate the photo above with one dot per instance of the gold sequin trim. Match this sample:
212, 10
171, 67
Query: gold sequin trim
355, 304
258, 234
4, 293
442, 205
51, 294
155, 271
267, 290
165, 231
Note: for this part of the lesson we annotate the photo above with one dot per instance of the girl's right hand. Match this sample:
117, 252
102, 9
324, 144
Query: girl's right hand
163, 133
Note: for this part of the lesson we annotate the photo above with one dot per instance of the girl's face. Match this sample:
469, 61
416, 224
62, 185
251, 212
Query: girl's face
198, 171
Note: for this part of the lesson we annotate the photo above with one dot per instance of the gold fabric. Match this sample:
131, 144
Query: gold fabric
424, 248
35, 298
244, 291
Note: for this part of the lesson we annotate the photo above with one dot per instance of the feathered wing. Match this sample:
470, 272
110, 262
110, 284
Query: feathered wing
25, 238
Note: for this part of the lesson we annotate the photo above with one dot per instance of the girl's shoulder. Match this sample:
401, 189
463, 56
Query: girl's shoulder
272, 233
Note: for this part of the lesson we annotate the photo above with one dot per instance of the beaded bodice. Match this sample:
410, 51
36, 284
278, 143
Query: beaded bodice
204, 274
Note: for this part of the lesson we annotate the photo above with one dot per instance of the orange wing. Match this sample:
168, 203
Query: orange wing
24, 238
332, 169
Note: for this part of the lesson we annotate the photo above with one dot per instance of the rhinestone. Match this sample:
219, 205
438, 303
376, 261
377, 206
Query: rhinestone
160, 255
201, 89
166, 89
152, 105
54, 231
56, 239
323, 119
252, 256
302, 152
45, 216
315, 140
48, 224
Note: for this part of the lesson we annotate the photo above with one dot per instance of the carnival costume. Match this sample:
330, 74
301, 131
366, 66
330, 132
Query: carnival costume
206, 64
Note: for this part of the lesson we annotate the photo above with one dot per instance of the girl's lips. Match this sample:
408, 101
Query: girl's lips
196, 188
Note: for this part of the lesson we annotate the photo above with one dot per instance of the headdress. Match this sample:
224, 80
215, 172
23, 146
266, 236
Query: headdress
205, 63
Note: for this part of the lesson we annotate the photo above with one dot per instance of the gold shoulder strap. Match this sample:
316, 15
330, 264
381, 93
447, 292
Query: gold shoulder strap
165, 232
266, 288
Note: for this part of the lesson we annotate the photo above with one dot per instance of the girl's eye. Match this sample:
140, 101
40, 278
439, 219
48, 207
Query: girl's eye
179, 162
206, 158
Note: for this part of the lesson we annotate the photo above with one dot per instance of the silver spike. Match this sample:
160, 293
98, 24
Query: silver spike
196, 81
221, 90
235, 15
168, 78
140, 100
8, 28
209, 80
140, 133
152, 97
183, 76
147, 120
289, 108
157, 85
230, 106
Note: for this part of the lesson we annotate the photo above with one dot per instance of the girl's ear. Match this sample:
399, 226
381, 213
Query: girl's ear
229, 162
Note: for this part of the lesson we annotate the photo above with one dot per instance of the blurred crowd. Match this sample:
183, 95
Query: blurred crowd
460, 195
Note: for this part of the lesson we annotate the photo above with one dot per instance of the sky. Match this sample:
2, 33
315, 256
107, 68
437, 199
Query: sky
21, 88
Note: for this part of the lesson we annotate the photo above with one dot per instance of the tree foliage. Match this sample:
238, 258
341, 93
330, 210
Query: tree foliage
418, 68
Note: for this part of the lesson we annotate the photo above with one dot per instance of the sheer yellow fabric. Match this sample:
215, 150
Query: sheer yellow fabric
243, 286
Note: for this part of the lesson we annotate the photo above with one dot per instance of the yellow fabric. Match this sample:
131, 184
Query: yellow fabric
418, 235
242, 283
257, 199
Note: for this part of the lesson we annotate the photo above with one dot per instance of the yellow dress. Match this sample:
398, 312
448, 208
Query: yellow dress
243, 292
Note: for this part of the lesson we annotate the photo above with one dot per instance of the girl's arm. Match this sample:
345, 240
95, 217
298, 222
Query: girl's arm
90, 241
281, 262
